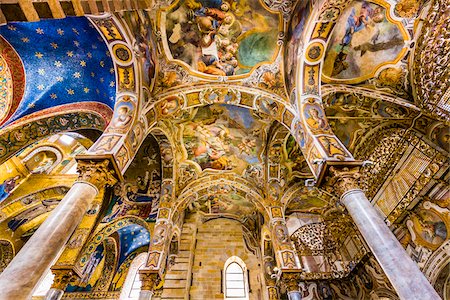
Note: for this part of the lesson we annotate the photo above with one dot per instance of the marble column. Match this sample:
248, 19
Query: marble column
403, 273
150, 280
20, 277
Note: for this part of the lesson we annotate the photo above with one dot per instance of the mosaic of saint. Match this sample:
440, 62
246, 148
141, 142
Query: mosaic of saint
364, 38
223, 137
139, 193
222, 38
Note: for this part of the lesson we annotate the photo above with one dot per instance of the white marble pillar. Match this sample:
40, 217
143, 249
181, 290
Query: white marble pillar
402, 272
20, 277
145, 295
54, 294
294, 295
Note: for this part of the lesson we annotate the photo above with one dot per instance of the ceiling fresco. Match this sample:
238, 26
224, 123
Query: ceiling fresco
221, 38
225, 109
223, 200
65, 61
365, 38
223, 137
139, 23
352, 115
294, 40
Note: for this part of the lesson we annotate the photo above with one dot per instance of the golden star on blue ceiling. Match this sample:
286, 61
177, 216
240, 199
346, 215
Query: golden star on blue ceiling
66, 61
132, 237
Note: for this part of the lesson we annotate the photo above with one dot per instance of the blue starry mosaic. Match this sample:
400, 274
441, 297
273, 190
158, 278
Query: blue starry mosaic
65, 60
132, 237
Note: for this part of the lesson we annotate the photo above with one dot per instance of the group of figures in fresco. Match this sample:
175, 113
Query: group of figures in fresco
221, 38
363, 39
223, 137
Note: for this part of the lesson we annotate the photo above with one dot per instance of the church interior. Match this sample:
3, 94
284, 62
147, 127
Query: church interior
224, 149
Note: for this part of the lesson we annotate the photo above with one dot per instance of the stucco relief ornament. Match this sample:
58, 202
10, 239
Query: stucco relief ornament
97, 173
283, 6
344, 179
256, 77
291, 280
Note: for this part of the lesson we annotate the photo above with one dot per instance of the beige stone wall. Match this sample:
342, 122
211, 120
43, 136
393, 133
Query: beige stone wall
217, 240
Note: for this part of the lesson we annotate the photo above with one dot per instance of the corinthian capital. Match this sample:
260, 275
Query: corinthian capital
62, 278
149, 279
291, 279
344, 179
97, 173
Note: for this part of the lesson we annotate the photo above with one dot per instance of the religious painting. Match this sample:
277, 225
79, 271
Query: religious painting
91, 272
123, 114
294, 160
430, 227
8, 185
222, 38
364, 39
315, 118
139, 24
32, 213
223, 203
223, 137
295, 32
41, 162
308, 203
140, 191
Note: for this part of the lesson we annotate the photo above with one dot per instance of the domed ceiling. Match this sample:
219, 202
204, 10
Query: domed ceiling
62, 62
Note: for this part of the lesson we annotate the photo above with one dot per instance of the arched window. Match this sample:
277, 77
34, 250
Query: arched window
132, 285
235, 279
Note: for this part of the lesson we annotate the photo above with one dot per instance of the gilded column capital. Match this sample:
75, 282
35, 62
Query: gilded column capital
291, 280
97, 173
149, 279
62, 278
344, 179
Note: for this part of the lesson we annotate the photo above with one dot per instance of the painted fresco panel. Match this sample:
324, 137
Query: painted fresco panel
294, 40
219, 37
223, 137
364, 39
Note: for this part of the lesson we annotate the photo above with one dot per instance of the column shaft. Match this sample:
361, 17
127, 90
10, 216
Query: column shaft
403, 273
54, 294
145, 295
35, 258
294, 295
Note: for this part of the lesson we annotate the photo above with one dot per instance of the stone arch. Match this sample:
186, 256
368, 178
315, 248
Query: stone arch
54, 150
16, 137
7, 253
192, 191
104, 233
137, 263
167, 150
125, 132
111, 260
437, 262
